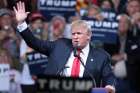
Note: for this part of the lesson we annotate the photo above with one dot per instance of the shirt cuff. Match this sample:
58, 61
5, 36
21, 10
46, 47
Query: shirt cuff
22, 27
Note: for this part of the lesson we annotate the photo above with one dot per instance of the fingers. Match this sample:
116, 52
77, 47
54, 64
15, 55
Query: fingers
15, 10
110, 89
19, 6
23, 6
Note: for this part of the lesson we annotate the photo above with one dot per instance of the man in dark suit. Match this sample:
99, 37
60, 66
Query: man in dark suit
61, 53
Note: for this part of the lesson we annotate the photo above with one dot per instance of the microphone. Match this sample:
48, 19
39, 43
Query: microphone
86, 69
75, 52
60, 71
76, 47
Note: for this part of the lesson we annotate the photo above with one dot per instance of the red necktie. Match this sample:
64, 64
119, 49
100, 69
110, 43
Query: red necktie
76, 66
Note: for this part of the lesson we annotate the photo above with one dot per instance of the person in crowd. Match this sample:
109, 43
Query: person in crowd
119, 56
57, 28
108, 10
120, 5
107, 4
7, 24
36, 23
61, 52
132, 7
14, 74
81, 4
133, 11
94, 11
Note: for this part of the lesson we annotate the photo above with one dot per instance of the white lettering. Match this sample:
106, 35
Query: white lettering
112, 15
107, 24
115, 25
43, 56
88, 85
65, 3
42, 2
30, 57
4, 69
104, 24
72, 3
37, 56
49, 2
67, 85
80, 85
54, 84
42, 83
57, 3
98, 23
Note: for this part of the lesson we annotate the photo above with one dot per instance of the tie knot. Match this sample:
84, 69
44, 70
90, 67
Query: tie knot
79, 51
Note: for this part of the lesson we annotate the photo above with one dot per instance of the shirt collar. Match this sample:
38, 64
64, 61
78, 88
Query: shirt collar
85, 50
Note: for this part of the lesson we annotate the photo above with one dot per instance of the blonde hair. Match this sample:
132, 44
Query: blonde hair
81, 23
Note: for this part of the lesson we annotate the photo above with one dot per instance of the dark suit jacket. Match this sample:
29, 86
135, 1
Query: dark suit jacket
58, 52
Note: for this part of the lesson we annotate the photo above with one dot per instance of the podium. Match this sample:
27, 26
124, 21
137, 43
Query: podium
57, 84
99, 90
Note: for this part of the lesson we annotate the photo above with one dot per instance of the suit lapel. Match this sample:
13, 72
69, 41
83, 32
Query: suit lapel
90, 63
66, 54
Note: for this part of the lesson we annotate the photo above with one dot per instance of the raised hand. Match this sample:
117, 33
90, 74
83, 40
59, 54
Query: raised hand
20, 12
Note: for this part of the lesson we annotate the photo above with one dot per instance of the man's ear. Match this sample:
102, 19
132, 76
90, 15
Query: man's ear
89, 35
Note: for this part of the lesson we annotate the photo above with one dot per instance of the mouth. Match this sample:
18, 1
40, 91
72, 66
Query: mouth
76, 43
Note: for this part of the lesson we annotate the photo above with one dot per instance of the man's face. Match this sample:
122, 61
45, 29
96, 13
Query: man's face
92, 12
123, 25
80, 36
5, 21
38, 23
58, 27
133, 7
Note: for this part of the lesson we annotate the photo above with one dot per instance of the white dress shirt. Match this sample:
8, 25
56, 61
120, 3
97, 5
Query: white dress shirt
22, 27
83, 55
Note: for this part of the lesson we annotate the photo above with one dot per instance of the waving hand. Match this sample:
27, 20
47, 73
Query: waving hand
20, 12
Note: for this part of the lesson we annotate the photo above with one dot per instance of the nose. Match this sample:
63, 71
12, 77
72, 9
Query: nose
75, 36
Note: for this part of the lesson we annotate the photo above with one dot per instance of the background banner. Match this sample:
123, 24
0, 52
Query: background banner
104, 31
50, 8
37, 62
4, 77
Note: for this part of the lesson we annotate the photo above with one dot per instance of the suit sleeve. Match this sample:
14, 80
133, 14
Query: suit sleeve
107, 72
42, 46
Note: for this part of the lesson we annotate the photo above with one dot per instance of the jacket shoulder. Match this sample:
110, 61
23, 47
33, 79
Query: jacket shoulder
101, 52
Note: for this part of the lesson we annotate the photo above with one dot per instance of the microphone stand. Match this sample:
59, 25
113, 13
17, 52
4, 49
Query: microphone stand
91, 76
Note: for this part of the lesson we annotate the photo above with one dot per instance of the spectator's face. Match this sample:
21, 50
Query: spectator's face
106, 5
38, 23
5, 21
58, 27
80, 36
133, 7
92, 12
123, 25
58, 24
